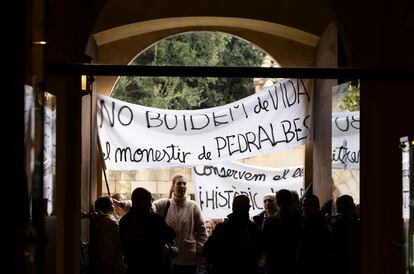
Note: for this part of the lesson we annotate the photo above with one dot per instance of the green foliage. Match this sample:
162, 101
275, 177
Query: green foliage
350, 101
191, 49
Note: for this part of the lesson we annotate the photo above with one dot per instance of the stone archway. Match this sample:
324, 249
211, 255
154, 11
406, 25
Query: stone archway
290, 46
114, 46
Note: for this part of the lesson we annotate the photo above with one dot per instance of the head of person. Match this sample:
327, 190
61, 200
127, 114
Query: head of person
178, 186
119, 202
141, 199
283, 198
345, 205
269, 202
209, 226
310, 206
105, 205
241, 204
118, 196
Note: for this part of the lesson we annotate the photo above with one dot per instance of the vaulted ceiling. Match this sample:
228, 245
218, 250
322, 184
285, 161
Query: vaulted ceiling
310, 17
294, 13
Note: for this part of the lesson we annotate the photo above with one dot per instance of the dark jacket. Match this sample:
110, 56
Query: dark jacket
235, 246
258, 219
282, 233
144, 235
314, 250
105, 245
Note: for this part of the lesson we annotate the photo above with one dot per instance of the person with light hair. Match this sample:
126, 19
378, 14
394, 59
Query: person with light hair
209, 224
122, 205
269, 210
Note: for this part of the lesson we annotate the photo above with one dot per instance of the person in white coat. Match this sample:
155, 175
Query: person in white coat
184, 216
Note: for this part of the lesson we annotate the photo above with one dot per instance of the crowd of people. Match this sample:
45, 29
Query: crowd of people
169, 235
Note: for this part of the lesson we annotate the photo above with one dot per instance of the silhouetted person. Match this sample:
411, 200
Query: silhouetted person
314, 251
282, 234
236, 244
346, 236
295, 206
105, 244
144, 235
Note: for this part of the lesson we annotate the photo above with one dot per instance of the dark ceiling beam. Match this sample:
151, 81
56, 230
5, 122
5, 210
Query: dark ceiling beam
248, 72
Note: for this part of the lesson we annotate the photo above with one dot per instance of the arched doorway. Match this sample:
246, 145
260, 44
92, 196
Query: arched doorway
187, 49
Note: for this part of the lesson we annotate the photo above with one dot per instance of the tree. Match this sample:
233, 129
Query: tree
350, 101
191, 49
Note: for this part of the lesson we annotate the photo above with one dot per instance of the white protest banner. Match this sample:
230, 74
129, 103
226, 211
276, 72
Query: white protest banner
29, 129
134, 137
49, 124
345, 140
28, 112
217, 185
